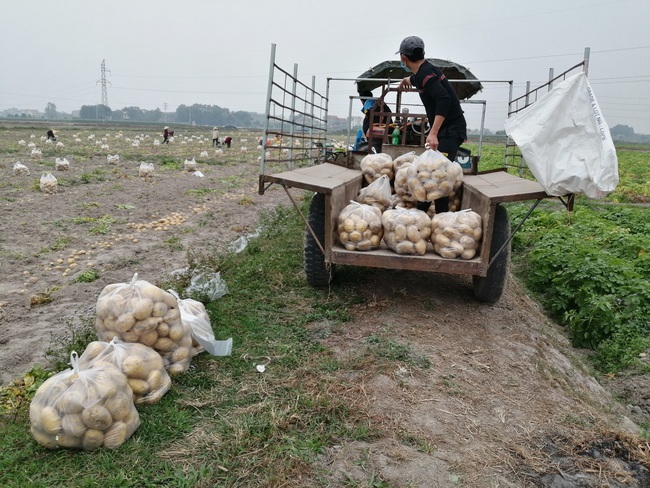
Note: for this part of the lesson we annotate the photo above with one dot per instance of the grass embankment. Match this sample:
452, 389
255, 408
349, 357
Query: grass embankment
591, 268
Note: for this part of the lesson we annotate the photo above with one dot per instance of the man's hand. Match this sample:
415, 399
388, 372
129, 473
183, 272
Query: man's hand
405, 84
432, 141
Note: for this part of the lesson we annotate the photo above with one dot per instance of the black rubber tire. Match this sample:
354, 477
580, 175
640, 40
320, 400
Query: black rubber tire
490, 288
319, 274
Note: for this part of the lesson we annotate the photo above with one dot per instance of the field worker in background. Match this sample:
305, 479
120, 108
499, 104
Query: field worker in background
378, 106
165, 135
227, 141
50, 135
448, 126
215, 137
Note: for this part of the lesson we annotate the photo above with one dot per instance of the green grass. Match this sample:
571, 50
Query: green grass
223, 423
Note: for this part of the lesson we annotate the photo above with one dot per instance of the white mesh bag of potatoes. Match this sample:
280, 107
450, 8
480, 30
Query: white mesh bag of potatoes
377, 193
143, 367
20, 169
409, 157
145, 170
84, 409
373, 166
190, 165
432, 176
195, 316
402, 190
61, 164
456, 234
48, 183
360, 227
406, 230
142, 312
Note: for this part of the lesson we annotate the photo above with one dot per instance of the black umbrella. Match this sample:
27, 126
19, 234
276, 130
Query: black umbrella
394, 71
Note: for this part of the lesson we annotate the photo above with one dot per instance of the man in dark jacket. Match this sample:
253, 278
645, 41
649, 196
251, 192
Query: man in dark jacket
448, 125
448, 128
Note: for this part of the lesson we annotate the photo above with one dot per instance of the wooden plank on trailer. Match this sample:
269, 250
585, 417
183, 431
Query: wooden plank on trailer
501, 186
386, 258
321, 178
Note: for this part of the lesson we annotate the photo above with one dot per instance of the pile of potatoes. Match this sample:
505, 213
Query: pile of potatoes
48, 183
84, 409
360, 227
373, 166
456, 234
432, 176
142, 312
406, 231
143, 367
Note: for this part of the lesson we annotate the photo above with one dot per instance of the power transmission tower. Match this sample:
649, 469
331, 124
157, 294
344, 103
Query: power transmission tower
104, 82
165, 109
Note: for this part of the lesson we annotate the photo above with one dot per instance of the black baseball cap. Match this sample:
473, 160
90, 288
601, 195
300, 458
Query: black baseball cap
410, 44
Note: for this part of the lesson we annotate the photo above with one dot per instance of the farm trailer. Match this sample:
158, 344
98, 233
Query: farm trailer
336, 184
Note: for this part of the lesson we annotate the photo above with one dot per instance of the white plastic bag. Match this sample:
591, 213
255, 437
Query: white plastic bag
565, 141
194, 315
207, 284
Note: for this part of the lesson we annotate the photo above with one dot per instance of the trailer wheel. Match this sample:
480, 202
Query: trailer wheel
490, 288
319, 274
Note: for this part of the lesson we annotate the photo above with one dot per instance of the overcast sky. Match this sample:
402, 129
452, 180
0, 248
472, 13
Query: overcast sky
217, 53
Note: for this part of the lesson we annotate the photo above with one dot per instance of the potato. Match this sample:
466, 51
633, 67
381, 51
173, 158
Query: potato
159, 309
50, 420
177, 332
172, 315
349, 225
92, 439
115, 436
149, 338
119, 405
139, 387
71, 401
44, 439
133, 367
68, 440
148, 324
74, 425
169, 300
155, 379
163, 329
176, 369
97, 417
130, 336
152, 293
180, 354
142, 308
124, 322
164, 344
93, 349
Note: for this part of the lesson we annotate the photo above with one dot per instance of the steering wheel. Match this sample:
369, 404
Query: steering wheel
417, 126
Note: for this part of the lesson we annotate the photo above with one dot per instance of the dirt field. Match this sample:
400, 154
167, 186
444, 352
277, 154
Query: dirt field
506, 398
